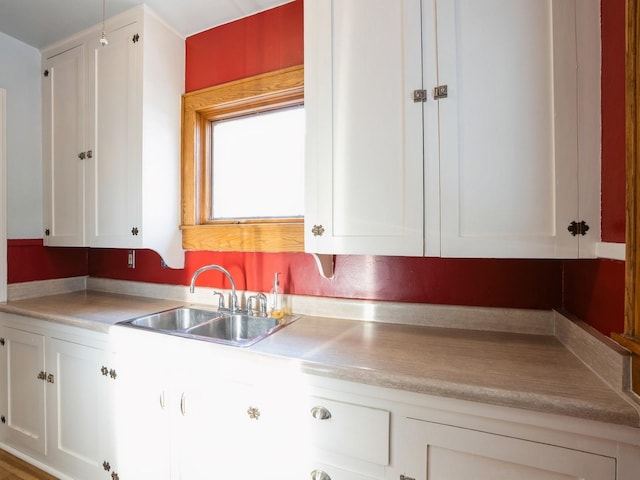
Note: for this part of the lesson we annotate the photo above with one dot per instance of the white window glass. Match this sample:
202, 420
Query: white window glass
258, 165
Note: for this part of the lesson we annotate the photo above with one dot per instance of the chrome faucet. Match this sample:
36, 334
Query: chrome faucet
261, 298
234, 298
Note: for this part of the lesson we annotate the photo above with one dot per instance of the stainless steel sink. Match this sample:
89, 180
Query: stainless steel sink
177, 319
240, 329
236, 327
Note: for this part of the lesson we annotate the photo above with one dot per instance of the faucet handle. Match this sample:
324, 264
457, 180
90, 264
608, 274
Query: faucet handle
261, 297
220, 301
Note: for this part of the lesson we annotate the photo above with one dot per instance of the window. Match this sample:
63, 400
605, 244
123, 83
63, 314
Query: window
263, 153
223, 199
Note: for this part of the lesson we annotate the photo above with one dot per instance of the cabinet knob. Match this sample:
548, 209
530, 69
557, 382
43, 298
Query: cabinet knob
134, 231
42, 375
89, 153
82, 155
106, 466
3, 419
104, 370
50, 378
319, 475
183, 405
317, 230
254, 413
320, 413
47, 232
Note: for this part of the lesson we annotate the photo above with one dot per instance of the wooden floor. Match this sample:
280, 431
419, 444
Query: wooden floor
12, 468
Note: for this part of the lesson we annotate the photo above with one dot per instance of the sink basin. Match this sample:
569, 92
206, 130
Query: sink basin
236, 327
176, 319
239, 329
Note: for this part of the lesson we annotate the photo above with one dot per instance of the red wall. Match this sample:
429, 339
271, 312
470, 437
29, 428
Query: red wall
613, 111
28, 260
261, 43
271, 40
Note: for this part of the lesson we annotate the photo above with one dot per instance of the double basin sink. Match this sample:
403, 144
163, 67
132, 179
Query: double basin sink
231, 328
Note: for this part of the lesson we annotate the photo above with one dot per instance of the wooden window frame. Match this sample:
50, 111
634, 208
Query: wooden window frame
271, 90
631, 336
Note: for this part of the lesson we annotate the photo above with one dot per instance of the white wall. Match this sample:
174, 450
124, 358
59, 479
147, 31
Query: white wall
20, 76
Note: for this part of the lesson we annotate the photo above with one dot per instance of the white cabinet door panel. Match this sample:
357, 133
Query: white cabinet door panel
441, 452
114, 188
79, 409
63, 144
508, 135
364, 132
24, 403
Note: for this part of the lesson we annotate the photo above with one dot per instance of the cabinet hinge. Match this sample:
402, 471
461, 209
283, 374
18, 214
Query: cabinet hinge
136, 38
440, 91
578, 228
420, 96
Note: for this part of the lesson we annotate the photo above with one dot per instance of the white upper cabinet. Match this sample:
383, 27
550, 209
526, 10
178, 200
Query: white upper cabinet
488, 169
120, 166
508, 137
364, 159
63, 137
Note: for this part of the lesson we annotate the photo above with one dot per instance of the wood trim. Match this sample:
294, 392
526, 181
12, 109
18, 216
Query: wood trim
248, 95
631, 337
265, 237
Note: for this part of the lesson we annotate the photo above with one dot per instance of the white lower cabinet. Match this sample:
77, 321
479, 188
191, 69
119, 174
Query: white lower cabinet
56, 407
178, 409
434, 451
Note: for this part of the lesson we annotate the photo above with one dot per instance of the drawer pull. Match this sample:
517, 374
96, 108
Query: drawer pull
319, 475
320, 413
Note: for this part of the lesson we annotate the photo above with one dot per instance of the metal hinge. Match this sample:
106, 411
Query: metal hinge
420, 96
580, 228
440, 92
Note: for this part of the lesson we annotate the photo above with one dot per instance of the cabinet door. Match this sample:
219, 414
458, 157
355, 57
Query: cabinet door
23, 398
143, 404
114, 186
364, 150
508, 127
79, 406
441, 452
63, 148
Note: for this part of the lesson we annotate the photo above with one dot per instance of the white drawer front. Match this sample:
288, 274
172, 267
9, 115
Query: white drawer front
351, 430
330, 472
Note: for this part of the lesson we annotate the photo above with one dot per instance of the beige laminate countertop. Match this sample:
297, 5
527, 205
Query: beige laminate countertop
533, 372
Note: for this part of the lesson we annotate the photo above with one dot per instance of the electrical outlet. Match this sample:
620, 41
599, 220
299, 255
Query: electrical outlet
131, 259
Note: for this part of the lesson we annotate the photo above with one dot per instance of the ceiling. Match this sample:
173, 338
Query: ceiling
42, 22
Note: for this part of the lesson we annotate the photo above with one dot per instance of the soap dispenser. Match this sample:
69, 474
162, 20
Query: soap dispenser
276, 308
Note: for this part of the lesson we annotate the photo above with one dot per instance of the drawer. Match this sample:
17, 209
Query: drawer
348, 429
329, 472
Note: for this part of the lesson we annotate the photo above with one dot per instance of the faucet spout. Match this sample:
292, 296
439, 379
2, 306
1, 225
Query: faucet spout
234, 298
